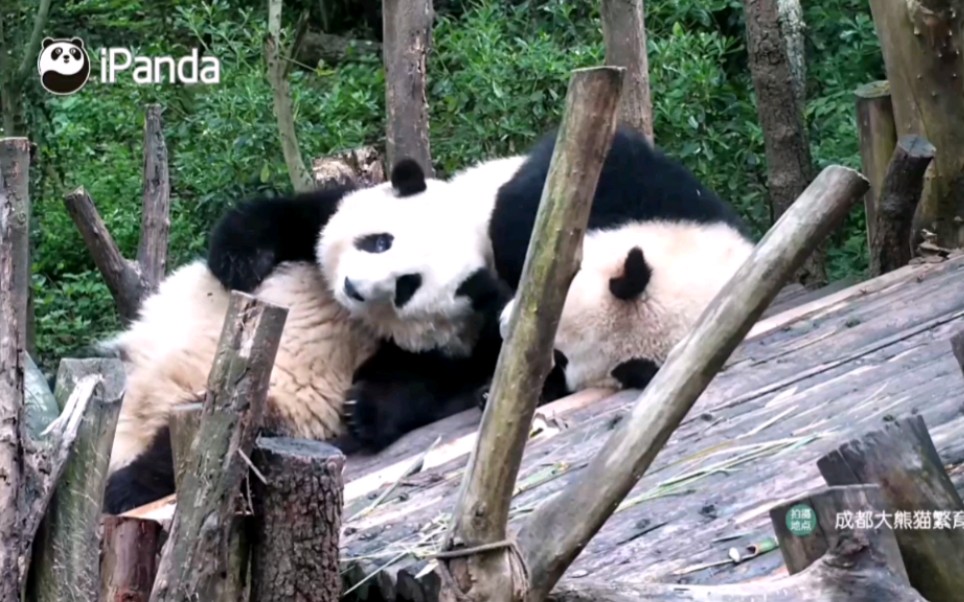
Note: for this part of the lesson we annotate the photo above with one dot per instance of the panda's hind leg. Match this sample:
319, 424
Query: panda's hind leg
149, 477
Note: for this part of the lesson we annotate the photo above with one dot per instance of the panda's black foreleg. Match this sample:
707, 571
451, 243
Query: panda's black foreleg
254, 236
553, 388
148, 478
635, 373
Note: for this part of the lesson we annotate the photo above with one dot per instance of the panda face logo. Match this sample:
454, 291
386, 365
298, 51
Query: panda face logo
63, 65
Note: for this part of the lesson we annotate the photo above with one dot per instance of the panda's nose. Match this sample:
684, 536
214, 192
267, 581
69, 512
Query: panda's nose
352, 292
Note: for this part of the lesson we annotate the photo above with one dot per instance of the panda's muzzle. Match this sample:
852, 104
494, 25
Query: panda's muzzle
352, 292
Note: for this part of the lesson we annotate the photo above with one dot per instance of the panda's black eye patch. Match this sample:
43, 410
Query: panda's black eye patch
375, 243
75, 53
405, 288
56, 53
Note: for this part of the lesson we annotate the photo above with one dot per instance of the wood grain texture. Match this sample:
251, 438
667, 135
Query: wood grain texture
878, 137
624, 36
155, 204
129, 558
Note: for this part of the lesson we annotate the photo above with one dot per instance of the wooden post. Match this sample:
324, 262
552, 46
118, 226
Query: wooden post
482, 510
624, 35
14, 269
902, 460
831, 513
922, 52
183, 423
297, 512
891, 246
878, 137
562, 526
789, 164
129, 558
193, 564
407, 38
67, 547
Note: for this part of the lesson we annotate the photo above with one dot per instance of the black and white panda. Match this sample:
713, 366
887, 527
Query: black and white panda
63, 65
327, 355
497, 202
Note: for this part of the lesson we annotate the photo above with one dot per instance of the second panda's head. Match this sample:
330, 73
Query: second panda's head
397, 255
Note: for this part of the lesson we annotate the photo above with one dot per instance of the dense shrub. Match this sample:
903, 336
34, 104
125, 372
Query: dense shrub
498, 77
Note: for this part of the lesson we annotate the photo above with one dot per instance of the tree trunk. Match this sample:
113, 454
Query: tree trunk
624, 33
129, 558
922, 48
878, 138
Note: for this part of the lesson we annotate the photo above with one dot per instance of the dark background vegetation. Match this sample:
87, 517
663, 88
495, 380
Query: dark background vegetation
497, 79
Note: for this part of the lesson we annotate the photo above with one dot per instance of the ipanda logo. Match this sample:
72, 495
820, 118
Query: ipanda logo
64, 66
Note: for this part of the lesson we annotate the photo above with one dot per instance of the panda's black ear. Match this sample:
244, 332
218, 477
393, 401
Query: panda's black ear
77, 42
46, 42
407, 177
632, 282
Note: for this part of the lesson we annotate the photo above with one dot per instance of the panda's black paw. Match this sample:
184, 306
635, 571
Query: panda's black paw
371, 417
482, 397
242, 269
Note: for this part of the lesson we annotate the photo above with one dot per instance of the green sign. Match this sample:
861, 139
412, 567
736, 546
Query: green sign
801, 520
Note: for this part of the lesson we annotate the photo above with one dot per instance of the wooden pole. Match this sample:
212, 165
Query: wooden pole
830, 514
561, 527
297, 521
407, 39
482, 511
901, 190
155, 204
14, 271
67, 548
624, 35
183, 423
129, 558
922, 49
878, 137
193, 564
902, 460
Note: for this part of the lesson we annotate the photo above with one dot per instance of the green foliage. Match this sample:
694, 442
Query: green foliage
497, 79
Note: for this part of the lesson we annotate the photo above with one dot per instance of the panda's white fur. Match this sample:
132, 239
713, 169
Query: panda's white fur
169, 350
689, 264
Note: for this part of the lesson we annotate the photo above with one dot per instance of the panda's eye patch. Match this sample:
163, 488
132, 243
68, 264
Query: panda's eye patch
75, 53
375, 243
56, 53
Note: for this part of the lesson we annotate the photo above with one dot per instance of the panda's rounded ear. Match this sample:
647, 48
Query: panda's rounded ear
46, 42
407, 177
77, 42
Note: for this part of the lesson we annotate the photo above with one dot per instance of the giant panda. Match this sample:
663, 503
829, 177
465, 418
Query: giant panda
498, 199
327, 356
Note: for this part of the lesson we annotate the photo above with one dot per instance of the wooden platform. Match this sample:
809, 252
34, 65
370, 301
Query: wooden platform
807, 378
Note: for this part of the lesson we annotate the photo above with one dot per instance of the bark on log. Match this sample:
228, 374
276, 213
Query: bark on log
922, 49
852, 571
407, 35
624, 35
891, 246
194, 562
183, 424
361, 167
283, 104
902, 460
129, 558
482, 509
155, 205
67, 546
789, 164
71, 371
878, 137
957, 346
831, 513
14, 273
297, 521
559, 529
40, 406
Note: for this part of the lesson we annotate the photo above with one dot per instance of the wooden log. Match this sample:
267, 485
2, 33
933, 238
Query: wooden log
297, 512
891, 246
14, 273
957, 346
559, 529
787, 149
407, 39
193, 564
878, 137
283, 104
361, 167
155, 204
624, 35
902, 460
183, 424
71, 371
809, 526
851, 571
482, 510
40, 406
922, 49
129, 558
67, 547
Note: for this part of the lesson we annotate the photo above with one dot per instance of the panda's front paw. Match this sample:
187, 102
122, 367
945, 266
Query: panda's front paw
370, 418
242, 269
505, 318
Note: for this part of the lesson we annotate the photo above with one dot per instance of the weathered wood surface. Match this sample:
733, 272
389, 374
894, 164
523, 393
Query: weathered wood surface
801, 384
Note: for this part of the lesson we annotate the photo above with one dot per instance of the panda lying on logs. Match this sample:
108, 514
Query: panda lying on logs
658, 247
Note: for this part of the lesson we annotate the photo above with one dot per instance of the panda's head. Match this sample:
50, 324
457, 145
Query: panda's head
396, 255
638, 291
63, 65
